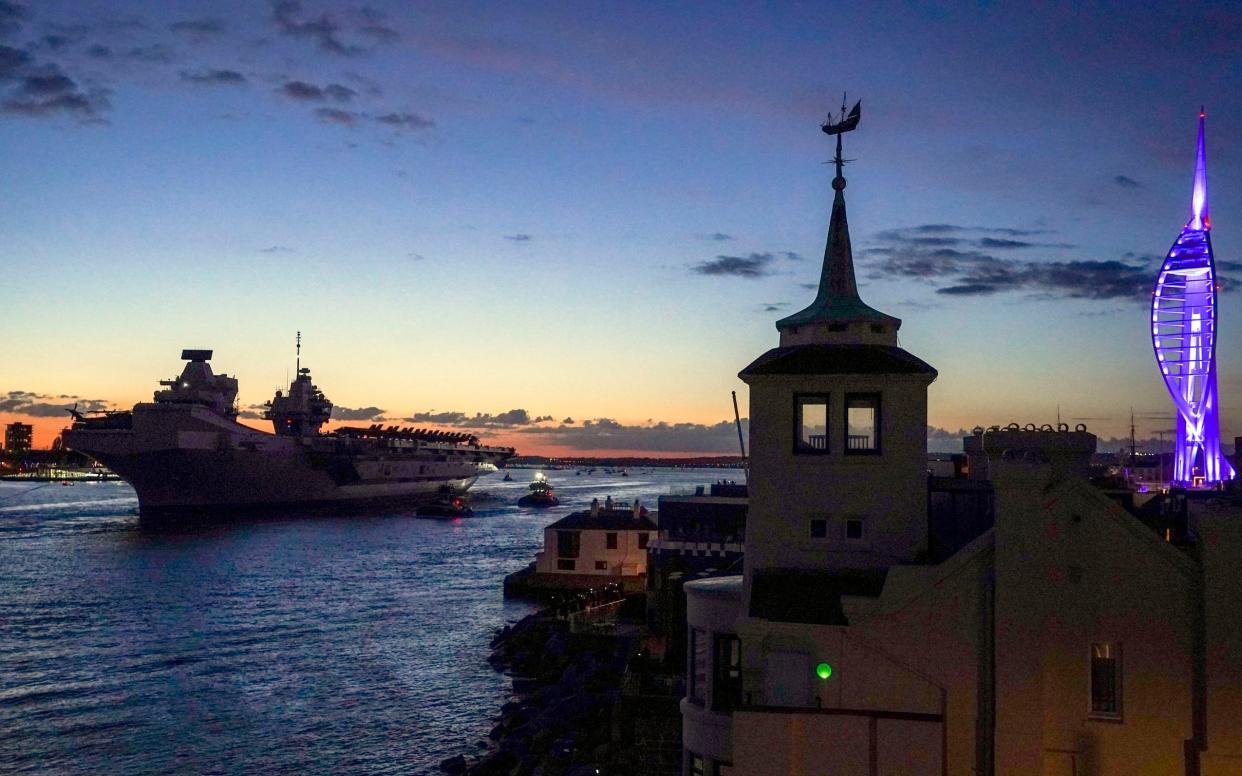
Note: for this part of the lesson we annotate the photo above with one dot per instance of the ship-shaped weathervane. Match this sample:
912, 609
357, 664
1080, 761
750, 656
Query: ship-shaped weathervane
846, 123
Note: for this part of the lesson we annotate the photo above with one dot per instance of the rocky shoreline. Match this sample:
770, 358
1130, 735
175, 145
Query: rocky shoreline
560, 719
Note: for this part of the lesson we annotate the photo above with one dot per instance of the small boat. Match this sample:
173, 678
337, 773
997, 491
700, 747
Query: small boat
507, 478
541, 494
446, 508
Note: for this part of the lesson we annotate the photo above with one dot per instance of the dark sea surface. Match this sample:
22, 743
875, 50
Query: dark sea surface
311, 645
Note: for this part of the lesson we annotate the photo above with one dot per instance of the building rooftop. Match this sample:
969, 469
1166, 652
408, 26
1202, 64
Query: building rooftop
605, 520
810, 597
822, 359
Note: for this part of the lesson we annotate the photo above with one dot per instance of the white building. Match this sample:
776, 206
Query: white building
1069, 638
604, 544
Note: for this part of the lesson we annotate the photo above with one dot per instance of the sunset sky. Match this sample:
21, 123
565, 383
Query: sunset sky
523, 217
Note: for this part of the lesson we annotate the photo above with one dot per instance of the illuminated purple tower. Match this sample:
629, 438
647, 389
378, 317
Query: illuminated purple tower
1183, 333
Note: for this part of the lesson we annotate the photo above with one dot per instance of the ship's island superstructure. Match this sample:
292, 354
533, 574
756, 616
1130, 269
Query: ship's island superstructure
186, 452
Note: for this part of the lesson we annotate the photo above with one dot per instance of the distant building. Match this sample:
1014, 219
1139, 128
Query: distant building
702, 534
18, 437
607, 543
1013, 621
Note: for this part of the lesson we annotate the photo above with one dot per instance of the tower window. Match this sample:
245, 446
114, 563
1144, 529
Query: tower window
699, 656
727, 673
854, 528
862, 423
819, 528
877, 328
1106, 680
611, 537
811, 423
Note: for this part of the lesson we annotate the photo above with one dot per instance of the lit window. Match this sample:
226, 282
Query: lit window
698, 665
1106, 680
862, 423
642, 541
601, 565
854, 528
810, 424
727, 673
612, 540
819, 529
568, 544
697, 766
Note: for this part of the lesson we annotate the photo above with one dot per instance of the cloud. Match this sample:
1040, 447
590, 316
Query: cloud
717, 237
754, 265
1126, 182
415, 256
336, 116
13, 62
301, 90
37, 405
213, 77
662, 437
323, 30
12, 15
1003, 243
973, 267
567, 422
100, 51
276, 249
199, 28
87, 106
157, 53
412, 121
32, 89
380, 33
519, 238
52, 82
968, 289
361, 413
773, 307
509, 419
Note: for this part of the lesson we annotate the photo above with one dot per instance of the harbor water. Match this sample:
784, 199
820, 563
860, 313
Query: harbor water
296, 645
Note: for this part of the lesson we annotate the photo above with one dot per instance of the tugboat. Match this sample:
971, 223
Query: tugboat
446, 507
186, 453
540, 496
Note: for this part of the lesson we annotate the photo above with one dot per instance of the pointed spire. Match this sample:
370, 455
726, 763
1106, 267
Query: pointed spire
838, 300
1199, 218
837, 276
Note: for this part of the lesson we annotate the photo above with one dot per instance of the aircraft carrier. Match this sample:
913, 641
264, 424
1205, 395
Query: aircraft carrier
186, 454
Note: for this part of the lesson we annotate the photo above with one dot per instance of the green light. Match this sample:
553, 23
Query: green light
823, 670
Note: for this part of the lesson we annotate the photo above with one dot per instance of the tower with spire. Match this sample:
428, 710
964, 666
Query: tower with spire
1183, 333
838, 428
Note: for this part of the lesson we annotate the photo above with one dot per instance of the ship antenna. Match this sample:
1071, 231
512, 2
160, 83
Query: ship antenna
299, 352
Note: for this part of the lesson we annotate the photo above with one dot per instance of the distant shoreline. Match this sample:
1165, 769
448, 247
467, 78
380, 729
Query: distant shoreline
707, 462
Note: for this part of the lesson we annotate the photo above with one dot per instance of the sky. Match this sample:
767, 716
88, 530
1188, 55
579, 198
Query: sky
569, 226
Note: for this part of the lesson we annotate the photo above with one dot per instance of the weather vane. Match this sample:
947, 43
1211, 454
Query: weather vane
847, 123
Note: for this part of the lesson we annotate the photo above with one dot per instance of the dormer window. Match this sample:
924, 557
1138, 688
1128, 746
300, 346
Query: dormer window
810, 424
862, 423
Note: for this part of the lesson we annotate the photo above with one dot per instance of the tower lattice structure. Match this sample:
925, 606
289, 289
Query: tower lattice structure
1184, 326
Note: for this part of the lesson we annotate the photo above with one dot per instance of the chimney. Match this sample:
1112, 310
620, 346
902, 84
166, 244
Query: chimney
594, 507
